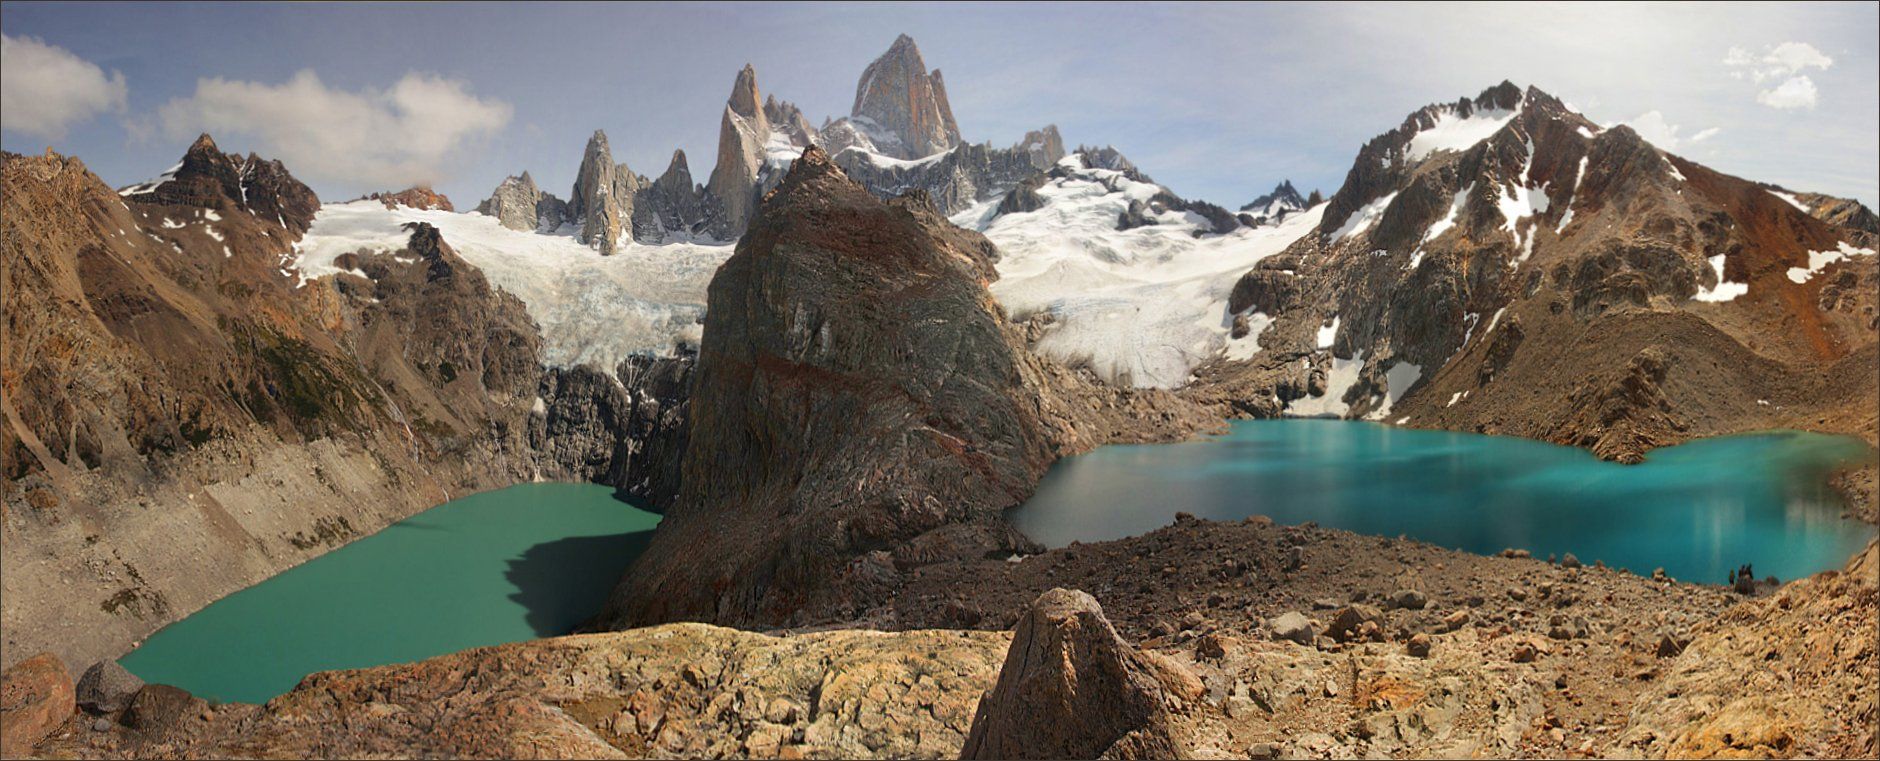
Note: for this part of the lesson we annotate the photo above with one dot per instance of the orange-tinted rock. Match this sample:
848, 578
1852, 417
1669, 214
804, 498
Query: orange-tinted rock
35, 698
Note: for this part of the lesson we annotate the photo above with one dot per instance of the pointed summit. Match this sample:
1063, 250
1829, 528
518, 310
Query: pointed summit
903, 106
744, 97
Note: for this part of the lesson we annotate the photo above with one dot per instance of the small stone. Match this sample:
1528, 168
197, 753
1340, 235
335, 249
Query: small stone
1324, 603
1331, 688
1410, 599
1419, 645
1658, 574
1523, 653
1238, 707
1671, 644
1295, 558
1569, 561
1211, 646
101, 724
1263, 751
1517, 594
1455, 620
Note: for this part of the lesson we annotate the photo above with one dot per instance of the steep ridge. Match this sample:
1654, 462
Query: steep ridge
160, 350
1501, 264
859, 408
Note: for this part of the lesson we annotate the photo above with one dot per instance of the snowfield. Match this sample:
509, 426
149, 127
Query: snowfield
591, 308
1142, 306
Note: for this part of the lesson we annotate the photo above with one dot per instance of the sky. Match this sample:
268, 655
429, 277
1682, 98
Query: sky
1218, 102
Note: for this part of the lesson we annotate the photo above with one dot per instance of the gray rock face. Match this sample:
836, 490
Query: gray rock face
107, 687
602, 201
953, 181
626, 430
1045, 147
519, 205
904, 105
1072, 688
671, 205
742, 134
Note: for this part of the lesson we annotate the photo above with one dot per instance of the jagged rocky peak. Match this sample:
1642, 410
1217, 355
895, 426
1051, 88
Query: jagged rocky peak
210, 179
519, 205
786, 118
1045, 147
671, 204
742, 134
1283, 200
602, 201
1106, 157
903, 105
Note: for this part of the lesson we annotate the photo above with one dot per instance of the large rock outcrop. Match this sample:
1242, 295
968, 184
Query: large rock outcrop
1072, 688
626, 430
860, 405
854, 389
902, 106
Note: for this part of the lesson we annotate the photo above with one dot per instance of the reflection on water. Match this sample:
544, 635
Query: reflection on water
1698, 510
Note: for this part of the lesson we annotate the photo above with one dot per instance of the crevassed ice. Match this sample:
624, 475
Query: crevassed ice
591, 308
1145, 305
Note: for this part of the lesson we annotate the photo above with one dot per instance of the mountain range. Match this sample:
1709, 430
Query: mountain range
835, 365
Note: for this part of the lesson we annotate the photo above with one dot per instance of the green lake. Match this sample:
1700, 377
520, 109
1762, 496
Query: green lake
529, 561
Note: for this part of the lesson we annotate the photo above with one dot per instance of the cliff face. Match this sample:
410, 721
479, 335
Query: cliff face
903, 106
861, 406
158, 351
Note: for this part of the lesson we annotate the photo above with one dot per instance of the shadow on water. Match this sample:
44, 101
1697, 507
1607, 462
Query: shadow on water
563, 582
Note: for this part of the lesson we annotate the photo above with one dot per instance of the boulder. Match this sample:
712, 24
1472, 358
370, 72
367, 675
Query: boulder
1419, 645
1293, 626
107, 687
35, 698
1072, 688
1569, 561
158, 709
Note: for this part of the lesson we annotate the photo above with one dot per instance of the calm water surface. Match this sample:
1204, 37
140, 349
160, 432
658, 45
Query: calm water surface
1698, 509
528, 561
535, 560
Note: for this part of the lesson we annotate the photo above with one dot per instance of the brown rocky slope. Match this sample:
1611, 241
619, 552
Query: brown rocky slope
1563, 282
159, 353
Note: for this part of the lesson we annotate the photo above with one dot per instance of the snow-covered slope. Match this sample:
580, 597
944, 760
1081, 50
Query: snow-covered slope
592, 309
1144, 305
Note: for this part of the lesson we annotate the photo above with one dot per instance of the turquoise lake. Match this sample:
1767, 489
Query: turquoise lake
536, 560
1698, 510
529, 561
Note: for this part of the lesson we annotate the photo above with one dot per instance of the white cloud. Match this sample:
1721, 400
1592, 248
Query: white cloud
1794, 92
400, 136
1652, 126
44, 89
1783, 62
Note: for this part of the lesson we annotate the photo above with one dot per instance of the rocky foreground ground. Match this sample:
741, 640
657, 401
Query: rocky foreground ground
1250, 640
